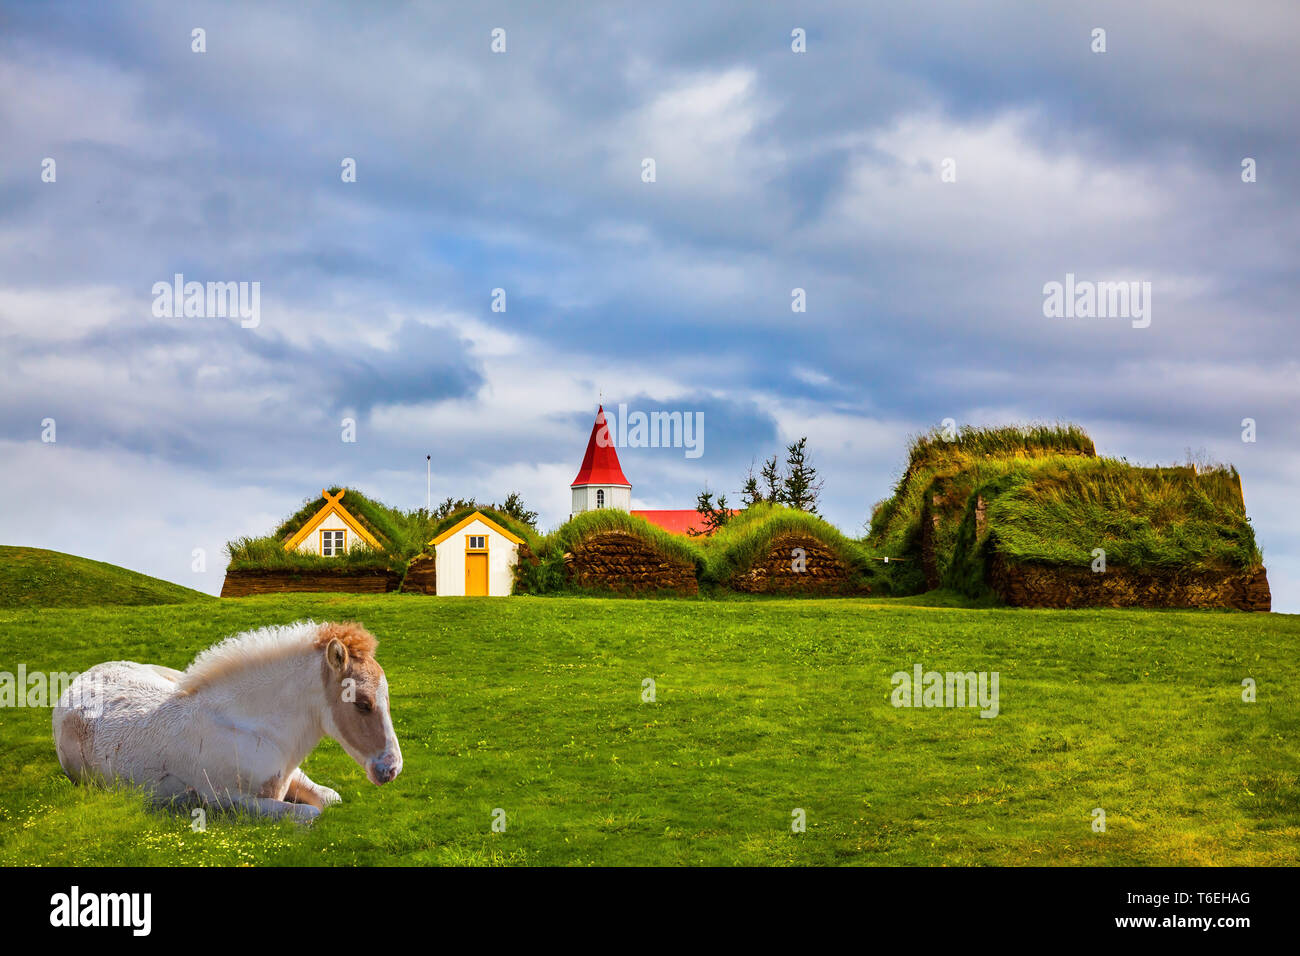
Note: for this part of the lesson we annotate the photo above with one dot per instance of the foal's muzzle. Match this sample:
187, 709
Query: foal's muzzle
385, 768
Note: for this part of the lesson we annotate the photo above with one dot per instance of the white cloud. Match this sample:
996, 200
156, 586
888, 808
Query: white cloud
700, 131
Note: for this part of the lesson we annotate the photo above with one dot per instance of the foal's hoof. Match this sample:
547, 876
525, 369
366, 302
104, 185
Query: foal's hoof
329, 797
302, 813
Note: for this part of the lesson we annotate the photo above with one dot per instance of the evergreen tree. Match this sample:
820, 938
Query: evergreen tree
514, 507
449, 505
772, 479
751, 494
801, 486
714, 516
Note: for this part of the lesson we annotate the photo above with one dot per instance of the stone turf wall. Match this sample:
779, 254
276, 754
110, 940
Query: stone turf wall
244, 583
618, 561
775, 572
421, 575
1053, 586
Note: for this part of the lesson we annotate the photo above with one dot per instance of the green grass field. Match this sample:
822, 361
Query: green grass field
533, 705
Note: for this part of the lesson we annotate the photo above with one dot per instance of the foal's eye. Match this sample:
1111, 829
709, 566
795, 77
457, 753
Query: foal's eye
364, 706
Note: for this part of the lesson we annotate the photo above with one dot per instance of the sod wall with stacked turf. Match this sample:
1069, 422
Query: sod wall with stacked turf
763, 549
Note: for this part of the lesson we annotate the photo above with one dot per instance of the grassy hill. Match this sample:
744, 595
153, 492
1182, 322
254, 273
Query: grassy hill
34, 577
534, 706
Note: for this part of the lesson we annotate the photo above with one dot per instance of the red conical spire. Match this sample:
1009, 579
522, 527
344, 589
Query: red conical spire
600, 465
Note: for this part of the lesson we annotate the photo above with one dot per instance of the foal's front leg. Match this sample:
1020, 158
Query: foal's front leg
270, 807
303, 790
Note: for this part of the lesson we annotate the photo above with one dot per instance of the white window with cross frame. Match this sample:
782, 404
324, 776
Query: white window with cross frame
333, 542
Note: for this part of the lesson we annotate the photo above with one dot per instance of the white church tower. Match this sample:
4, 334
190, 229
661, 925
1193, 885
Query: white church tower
600, 482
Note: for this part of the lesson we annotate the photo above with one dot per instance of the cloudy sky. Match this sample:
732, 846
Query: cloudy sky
522, 171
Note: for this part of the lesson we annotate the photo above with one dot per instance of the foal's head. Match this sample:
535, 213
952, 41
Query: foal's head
357, 693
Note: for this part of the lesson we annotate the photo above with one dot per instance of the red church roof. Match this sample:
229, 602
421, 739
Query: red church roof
676, 520
600, 465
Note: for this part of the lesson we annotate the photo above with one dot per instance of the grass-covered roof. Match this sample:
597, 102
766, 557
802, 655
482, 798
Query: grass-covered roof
1178, 518
385, 523
895, 521
1050, 499
510, 523
972, 442
401, 535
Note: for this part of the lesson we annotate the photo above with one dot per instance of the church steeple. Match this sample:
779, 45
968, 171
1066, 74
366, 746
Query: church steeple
600, 482
600, 465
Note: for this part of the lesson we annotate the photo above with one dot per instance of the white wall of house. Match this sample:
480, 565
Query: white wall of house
332, 522
450, 558
616, 496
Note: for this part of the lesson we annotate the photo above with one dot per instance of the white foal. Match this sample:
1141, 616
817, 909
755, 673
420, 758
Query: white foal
232, 729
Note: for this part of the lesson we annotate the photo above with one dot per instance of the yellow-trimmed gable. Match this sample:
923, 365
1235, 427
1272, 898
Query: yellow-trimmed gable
470, 519
332, 506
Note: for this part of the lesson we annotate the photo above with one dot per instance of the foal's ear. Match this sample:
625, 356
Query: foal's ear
336, 655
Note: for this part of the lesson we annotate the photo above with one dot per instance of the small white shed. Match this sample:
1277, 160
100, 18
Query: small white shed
476, 557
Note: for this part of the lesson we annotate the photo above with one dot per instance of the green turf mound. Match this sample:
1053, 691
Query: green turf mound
1170, 537
918, 523
610, 550
34, 577
1023, 514
772, 549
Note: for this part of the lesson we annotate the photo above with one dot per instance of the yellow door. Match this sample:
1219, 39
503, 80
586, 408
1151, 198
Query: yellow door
476, 574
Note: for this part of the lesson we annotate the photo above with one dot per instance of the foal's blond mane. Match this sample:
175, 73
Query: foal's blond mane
267, 645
